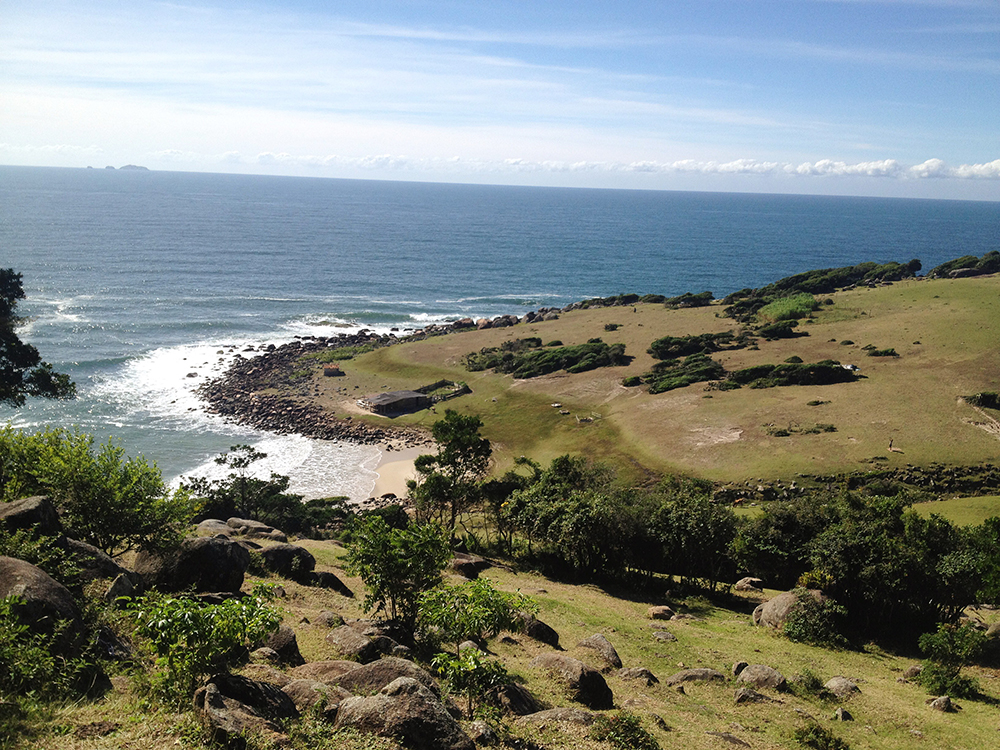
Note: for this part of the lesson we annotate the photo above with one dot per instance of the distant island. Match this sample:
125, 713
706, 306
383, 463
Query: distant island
131, 167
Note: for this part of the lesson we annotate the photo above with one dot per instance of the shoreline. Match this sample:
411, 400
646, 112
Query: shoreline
395, 466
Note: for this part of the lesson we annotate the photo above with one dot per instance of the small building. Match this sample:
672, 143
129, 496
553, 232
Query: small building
395, 402
332, 371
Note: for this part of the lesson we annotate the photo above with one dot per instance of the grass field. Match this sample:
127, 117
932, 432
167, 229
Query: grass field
945, 332
962, 511
888, 714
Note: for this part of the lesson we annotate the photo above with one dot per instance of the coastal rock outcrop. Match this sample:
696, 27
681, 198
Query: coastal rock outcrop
204, 564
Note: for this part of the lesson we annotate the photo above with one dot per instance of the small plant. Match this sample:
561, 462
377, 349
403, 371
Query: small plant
817, 623
948, 650
986, 400
794, 360
819, 738
631, 381
847, 342
890, 352
612, 326
471, 674
472, 611
192, 640
624, 730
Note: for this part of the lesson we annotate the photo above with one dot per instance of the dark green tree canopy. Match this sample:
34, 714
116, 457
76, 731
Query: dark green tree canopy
22, 371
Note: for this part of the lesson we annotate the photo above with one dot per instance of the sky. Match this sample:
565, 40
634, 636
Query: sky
856, 97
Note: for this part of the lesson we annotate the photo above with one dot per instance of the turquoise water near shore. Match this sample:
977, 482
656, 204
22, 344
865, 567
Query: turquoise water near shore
136, 280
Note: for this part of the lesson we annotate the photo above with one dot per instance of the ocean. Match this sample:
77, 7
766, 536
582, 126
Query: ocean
135, 280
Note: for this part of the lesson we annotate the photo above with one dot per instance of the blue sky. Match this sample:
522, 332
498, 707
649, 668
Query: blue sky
899, 97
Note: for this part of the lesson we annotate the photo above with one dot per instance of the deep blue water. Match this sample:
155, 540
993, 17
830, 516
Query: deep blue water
135, 279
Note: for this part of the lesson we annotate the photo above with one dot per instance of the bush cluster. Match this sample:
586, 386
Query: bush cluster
530, 361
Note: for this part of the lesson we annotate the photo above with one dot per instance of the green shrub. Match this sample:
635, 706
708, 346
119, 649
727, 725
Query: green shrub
671, 347
819, 738
40, 552
396, 565
816, 623
794, 360
623, 730
882, 352
668, 375
612, 326
631, 381
529, 362
471, 674
788, 308
555, 342
473, 610
948, 650
784, 329
192, 640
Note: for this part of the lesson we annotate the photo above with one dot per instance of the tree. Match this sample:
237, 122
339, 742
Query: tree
22, 371
115, 502
473, 610
449, 480
396, 565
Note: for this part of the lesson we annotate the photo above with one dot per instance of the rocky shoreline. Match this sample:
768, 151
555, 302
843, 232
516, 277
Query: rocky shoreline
239, 396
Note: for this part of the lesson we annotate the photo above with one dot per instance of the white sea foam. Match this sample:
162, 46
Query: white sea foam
317, 468
157, 387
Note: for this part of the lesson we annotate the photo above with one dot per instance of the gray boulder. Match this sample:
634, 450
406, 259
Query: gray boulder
327, 580
213, 526
585, 684
230, 707
408, 712
246, 525
285, 645
93, 563
289, 561
604, 649
774, 612
638, 673
375, 676
323, 671
205, 564
514, 699
660, 612
307, 693
468, 566
842, 687
762, 676
538, 630
44, 601
749, 584
700, 674
350, 644
31, 512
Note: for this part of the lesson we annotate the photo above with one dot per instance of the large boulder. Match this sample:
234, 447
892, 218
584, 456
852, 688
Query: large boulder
230, 707
774, 612
285, 645
324, 579
538, 630
408, 712
586, 685
307, 693
514, 699
762, 676
375, 676
468, 566
44, 601
842, 687
604, 649
203, 564
351, 644
93, 563
36, 512
323, 671
289, 561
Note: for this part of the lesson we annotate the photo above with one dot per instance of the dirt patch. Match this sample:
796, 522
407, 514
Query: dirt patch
709, 436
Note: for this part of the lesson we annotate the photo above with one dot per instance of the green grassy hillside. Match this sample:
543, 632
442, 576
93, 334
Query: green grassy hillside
944, 331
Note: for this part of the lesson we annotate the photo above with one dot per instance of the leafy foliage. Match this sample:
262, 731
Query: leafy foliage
671, 347
949, 649
818, 623
670, 374
471, 674
242, 494
449, 479
826, 372
22, 371
984, 399
396, 565
192, 640
788, 308
623, 730
702, 299
473, 610
40, 552
108, 499
529, 360
818, 737
968, 265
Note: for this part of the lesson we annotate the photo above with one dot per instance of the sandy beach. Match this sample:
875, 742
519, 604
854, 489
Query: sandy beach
394, 468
